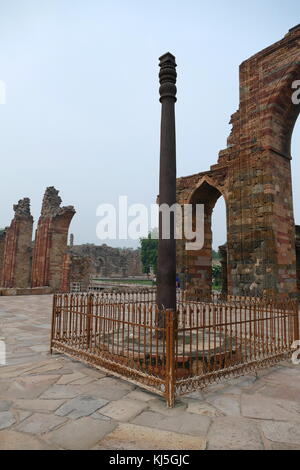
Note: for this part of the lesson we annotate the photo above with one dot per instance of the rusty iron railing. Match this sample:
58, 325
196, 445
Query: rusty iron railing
201, 343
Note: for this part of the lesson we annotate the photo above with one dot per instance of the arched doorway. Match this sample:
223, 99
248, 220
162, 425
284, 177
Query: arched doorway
219, 247
101, 267
197, 264
295, 152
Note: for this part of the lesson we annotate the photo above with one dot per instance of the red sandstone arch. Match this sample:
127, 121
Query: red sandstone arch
202, 187
197, 265
282, 112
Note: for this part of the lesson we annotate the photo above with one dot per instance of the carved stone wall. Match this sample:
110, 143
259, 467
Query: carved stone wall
48, 262
196, 265
2, 246
16, 255
51, 241
253, 174
298, 255
110, 262
76, 270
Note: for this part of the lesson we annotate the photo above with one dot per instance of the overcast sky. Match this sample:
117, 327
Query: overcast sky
82, 111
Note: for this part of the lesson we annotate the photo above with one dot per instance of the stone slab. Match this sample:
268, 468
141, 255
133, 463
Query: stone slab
68, 378
40, 423
81, 406
133, 437
81, 434
233, 433
12, 440
259, 406
38, 405
203, 409
108, 388
288, 433
60, 392
140, 395
5, 405
187, 423
7, 419
229, 405
30, 386
123, 410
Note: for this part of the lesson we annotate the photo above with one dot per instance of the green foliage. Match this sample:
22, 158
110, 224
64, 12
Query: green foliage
149, 249
215, 255
216, 276
216, 271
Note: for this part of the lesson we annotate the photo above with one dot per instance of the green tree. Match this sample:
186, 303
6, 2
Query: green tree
216, 276
149, 249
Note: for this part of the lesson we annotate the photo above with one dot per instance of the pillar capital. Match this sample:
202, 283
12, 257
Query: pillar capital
167, 76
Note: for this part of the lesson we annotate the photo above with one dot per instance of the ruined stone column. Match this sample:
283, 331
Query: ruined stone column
2, 247
51, 241
166, 268
297, 242
17, 248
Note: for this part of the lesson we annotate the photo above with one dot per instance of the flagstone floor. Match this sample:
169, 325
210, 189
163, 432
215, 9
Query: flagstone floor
53, 402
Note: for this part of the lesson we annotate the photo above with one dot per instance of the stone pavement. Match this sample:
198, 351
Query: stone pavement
53, 402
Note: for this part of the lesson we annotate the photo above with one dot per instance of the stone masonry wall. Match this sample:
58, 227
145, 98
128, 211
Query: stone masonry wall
256, 181
107, 261
2, 246
76, 269
16, 256
298, 255
51, 241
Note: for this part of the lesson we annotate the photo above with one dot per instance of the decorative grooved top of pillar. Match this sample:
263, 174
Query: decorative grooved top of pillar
167, 76
22, 209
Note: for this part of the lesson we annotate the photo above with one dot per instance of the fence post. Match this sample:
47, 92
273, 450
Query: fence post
170, 359
296, 322
89, 318
53, 324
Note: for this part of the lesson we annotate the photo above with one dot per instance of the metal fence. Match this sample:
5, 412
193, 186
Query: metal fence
198, 344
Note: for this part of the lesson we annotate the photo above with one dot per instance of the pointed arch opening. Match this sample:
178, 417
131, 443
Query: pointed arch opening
197, 266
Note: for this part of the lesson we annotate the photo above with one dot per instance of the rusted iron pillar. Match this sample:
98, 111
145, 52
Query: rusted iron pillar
166, 267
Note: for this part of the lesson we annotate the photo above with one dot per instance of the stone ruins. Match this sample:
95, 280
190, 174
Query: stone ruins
35, 267
107, 261
81, 262
16, 247
253, 174
51, 240
48, 264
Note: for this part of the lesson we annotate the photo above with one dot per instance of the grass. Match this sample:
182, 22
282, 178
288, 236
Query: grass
143, 282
